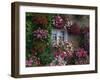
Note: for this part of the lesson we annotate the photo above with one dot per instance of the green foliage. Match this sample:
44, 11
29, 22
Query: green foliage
29, 38
46, 57
39, 46
81, 40
44, 53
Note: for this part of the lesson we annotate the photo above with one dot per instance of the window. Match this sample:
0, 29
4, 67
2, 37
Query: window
58, 34
61, 35
54, 37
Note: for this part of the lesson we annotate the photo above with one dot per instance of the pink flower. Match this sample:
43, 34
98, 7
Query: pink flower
40, 34
81, 53
29, 62
58, 22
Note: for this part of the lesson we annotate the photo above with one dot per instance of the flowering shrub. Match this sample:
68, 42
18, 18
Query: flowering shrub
81, 56
64, 45
63, 53
42, 51
40, 33
66, 54
81, 53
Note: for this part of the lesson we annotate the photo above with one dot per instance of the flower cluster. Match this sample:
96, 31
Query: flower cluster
68, 46
66, 54
64, 51
33, 60
40, 33
58, 22
41, 52
41, 20
64, 45
62, 22
61, 58
81, 53
29, 62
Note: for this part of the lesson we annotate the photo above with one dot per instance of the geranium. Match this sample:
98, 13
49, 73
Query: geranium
40, 33
42, 20
58, 22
